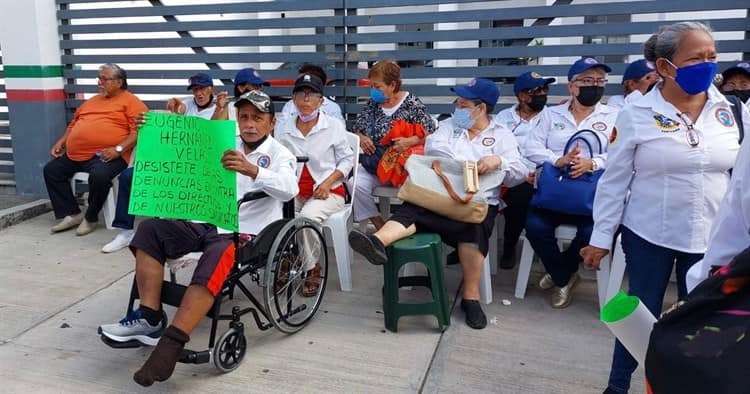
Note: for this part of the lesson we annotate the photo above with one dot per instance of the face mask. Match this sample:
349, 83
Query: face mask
377, 95
695, 79
208, 103
743, 95
307, 118
538, 102
256, 144
462, 118
590, 95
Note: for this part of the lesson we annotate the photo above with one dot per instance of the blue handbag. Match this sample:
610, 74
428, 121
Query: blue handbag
557, 191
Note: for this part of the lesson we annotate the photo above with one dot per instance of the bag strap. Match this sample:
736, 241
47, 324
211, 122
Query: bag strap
737, 110
578, 136
449, 187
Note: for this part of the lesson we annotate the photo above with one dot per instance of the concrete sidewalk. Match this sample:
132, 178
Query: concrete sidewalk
56, 289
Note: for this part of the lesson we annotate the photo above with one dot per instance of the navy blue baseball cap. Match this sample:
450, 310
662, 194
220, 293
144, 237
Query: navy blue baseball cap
637, 69
200, 79
479, 88
739, 68
249, 75
584, 64
530, 80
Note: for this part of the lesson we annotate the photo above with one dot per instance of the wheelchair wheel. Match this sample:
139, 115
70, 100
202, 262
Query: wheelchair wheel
229, 350
296, 275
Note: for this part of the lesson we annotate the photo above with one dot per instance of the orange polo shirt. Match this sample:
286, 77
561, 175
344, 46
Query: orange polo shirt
101, 123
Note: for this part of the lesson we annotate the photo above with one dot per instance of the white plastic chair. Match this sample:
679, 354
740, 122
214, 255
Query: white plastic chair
109, 205
565, 234
340, 223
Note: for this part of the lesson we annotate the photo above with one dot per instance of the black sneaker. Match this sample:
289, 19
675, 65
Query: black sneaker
508, 261
368, 246
452, 258
475, 317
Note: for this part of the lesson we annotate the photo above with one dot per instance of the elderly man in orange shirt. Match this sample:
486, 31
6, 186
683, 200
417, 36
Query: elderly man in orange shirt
99, 141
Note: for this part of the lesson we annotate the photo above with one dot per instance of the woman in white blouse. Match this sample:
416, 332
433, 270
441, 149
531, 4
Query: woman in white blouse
672, 150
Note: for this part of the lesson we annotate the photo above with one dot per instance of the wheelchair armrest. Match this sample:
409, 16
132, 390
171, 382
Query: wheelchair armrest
252, 196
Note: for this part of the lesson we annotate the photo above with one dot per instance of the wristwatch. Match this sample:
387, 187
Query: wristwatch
594, 166
118, 149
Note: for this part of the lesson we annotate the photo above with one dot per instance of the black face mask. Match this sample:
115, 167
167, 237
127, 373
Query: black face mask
256, 144
208, 103
743, 95
590, 95
538, 102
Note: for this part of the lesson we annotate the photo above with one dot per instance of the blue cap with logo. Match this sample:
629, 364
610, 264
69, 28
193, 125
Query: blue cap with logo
584, 64
200, 79
637, 69
479, 88
530, 80
739, 68
249, 75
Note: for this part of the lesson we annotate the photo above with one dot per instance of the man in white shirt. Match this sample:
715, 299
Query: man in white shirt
202, 105
638, 79
531, 90
261, 164
736, 82
329, 107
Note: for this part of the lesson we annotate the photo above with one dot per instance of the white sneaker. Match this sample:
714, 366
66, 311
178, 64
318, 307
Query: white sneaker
121, 240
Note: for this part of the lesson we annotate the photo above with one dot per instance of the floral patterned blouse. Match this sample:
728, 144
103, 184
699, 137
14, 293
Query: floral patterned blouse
374, 123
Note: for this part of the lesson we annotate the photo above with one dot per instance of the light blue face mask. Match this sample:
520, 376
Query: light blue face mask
377, 95
462, 118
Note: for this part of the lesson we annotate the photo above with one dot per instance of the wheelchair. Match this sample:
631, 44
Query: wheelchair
275, 261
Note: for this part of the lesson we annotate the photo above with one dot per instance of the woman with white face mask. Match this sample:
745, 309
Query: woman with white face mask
673, 151
470, 135
322, 139
388, 103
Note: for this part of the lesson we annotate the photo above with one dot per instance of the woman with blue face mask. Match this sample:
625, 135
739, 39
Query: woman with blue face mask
470, 135
388, 103
672, 152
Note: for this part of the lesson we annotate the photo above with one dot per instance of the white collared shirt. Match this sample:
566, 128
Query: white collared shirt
546, 143
675, 189
325, 145
730, 233
275, 177
619, 100
191, 109
329, 108
520, 128
495, 140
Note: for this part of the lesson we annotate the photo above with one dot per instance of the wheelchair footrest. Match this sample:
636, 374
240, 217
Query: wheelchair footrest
131, 344
193, 357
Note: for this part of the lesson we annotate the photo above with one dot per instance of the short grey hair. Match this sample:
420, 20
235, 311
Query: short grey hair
666, 41
120, 73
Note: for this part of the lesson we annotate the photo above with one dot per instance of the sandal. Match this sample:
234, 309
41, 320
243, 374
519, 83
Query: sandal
312, 282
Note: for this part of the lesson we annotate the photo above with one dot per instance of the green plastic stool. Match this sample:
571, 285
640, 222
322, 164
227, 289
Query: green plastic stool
425, 248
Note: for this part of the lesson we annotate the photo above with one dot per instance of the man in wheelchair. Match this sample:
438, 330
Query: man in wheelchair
262, 164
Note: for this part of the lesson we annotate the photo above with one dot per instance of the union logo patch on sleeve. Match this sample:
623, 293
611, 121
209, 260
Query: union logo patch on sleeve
724, 117
613, 135
264, 161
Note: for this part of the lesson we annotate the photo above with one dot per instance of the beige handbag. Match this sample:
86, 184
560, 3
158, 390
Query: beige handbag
431, 185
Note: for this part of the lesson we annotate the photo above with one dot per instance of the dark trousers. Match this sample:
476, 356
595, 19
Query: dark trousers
649, 267
123, 219
518, 199
57, 174
540, 231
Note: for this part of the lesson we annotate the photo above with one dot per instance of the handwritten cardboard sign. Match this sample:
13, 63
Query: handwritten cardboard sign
178, 172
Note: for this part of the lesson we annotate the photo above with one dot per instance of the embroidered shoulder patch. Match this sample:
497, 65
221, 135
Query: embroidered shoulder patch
613, 135
724, 117
488, 141
599, 126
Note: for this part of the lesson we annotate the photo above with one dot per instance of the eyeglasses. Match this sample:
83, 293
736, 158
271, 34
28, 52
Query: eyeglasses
537, 90
301, 94
591, 81
737, 86
105, 79
692, 136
